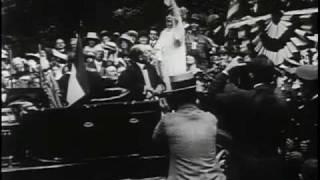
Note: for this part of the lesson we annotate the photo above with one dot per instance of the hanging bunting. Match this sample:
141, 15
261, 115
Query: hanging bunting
281, 37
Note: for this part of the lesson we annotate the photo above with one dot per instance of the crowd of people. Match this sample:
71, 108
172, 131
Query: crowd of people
270, 112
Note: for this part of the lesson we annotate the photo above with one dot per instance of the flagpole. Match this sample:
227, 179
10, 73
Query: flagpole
10, 56
40, 67
78, 85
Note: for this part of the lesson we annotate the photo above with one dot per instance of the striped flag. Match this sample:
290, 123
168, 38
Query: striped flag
78, 86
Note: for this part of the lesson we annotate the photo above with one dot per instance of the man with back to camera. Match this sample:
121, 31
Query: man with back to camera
190, 133
255, 118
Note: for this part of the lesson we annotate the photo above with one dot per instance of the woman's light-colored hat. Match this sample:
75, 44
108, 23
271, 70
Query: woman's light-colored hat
92, 35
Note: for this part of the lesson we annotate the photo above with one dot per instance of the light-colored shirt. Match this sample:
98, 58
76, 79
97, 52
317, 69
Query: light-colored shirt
145, 75
191, 134
171, 52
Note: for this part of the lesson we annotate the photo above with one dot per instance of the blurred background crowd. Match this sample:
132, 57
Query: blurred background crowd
44, 59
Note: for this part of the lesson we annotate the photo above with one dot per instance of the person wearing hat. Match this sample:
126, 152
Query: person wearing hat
308, 112
302, 140
33, 61
107, 45
134, 35
92, 39
141, 77
199, 45
255, 118
105, 36
110, 75
170, 48
110, 50
189, 132
20, 69
125, 43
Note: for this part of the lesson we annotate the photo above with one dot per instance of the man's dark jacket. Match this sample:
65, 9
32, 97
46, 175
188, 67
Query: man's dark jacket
132, 79
255, 118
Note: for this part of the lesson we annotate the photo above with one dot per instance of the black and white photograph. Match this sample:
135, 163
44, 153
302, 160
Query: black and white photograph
159, 89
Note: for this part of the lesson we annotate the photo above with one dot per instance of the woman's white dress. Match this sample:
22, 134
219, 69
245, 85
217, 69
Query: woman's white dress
171, 52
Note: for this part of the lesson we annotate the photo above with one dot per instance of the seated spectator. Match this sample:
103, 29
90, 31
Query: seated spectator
23, 81
110, 76
125, 43
140, 77
96, 64
33, 61
20, 67
92, 40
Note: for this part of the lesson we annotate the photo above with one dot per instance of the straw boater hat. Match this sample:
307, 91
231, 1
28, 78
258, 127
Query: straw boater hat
92, 35
133, 33
182, 83
116, 34
104, 33
111, 46
90, 54
127, 38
